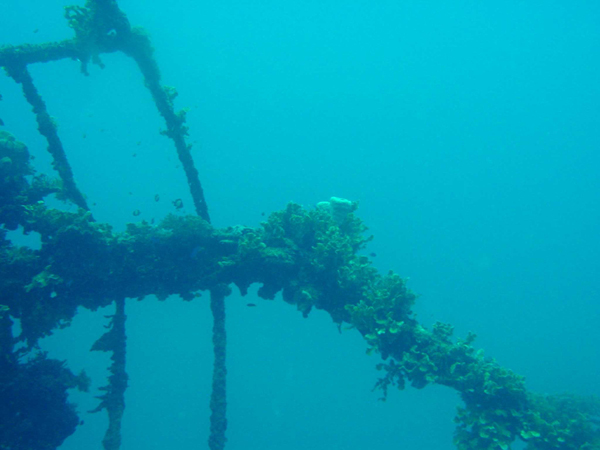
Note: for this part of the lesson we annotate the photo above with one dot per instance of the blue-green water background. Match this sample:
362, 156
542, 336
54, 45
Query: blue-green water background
469, 132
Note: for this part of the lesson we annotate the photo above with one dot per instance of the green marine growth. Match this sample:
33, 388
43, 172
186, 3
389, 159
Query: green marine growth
312, 256
35, 413
16, 192
498, 409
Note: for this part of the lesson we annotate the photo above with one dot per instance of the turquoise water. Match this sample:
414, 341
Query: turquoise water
469, 133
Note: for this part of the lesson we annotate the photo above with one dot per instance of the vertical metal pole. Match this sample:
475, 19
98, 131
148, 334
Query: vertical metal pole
218, 399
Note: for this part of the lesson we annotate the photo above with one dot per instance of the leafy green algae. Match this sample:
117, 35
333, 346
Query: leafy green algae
311, 256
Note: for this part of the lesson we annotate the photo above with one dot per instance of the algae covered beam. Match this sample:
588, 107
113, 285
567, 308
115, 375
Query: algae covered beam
313, 258
17, 55
113, 400
140, 49
218, 397
101, 27
47, 128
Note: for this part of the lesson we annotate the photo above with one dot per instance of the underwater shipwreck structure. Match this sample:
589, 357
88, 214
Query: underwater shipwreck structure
310, 256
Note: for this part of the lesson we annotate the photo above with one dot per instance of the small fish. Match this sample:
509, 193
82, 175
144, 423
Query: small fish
372, 254
137, 212
134, 155
139, 143
178, 203
156, 197
251, 305
1, 122
36, 30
